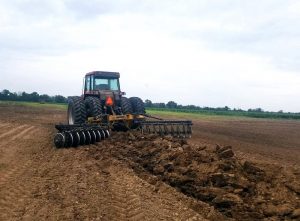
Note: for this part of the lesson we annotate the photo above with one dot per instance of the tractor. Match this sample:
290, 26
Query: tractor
103, 108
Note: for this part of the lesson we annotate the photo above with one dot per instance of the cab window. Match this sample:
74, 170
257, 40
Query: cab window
88, 83
106, 84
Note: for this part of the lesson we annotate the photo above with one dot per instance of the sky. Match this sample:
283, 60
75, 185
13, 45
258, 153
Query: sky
236, 53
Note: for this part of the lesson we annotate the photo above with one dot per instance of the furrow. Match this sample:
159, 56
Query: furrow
12, 131
22, 133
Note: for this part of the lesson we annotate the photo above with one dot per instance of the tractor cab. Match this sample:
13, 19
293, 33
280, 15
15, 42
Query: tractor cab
102, 89
98, 81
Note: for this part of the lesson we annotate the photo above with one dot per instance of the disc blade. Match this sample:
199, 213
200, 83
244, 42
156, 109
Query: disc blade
82, 137
59, 140
98, 135
76, 139
87, 137
93, 136
69, 139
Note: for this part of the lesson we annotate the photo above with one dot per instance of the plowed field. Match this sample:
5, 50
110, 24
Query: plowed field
229, 170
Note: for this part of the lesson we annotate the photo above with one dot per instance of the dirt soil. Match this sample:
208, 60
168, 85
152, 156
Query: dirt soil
229, 170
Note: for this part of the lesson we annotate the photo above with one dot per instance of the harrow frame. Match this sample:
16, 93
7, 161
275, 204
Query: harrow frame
99, 128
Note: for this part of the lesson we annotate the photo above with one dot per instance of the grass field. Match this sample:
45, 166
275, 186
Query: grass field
173, 114
217, 114
168, 113
34, 104
161, 113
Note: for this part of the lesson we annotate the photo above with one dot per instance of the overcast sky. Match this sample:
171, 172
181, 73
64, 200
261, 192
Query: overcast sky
243, 54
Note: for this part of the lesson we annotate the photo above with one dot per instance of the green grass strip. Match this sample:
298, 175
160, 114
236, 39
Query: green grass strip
35, 104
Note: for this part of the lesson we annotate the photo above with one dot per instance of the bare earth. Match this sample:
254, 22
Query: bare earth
133, 177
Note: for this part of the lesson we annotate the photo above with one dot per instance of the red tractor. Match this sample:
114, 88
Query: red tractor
103, 108
102, 96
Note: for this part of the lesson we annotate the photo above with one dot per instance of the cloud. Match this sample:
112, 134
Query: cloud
210, 53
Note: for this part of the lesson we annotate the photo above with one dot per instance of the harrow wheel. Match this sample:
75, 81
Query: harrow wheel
98, 135
69, 139
76, 139
88, 138
106, 132
82, 137
93, 136
59, 140
102, 134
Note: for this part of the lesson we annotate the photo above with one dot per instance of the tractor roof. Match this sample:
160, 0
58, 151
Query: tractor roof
104, 74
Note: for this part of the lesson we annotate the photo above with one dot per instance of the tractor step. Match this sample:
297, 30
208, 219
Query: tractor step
80, 134
174, 128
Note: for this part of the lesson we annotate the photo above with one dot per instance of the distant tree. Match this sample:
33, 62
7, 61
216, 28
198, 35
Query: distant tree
226, 108
34, 96
256, 110
148, 103
60, 99
162, 105
159, 105
45, 98
191, 107
13, 96
171, 104
24, 96
5, 94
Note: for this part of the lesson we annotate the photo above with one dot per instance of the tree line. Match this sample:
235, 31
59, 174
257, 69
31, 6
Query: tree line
6, 95
252, 112
174, 105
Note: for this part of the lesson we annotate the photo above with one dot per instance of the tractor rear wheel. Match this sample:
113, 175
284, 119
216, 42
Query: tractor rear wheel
76, 111
137, 105
126, 106
93, 106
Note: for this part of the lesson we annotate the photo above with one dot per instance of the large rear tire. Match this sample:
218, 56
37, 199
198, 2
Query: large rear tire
93, 106
126, 106
137, 105
76, 111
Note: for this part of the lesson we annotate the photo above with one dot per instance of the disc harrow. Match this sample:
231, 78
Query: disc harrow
162, 127
78, 135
